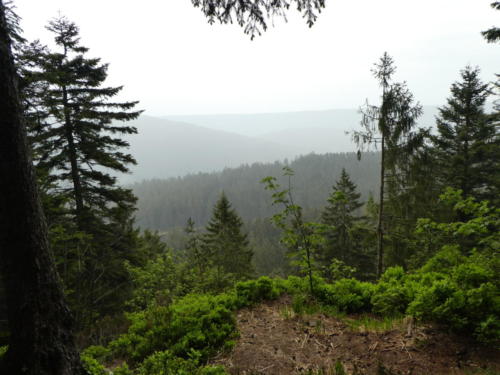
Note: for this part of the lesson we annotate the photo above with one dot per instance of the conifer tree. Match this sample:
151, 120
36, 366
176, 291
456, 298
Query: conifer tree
392, 126
467, 146
76, 132
226, 245
194, 255
340, 216
75, 129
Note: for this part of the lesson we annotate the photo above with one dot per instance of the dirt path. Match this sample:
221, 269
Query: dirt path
273, 341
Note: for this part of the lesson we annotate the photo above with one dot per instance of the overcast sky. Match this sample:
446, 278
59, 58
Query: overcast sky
174, 63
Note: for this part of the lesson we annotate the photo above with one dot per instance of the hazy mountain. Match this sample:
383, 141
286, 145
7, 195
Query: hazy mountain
181, 145
254, 125
165, 148
306, 131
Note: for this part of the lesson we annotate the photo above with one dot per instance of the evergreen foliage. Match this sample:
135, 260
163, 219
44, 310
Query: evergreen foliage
193, 252
253, 16
345, 234
164, 204
75, 134
493, 34
13, 26
225, 246
467, 146
107, 266
392, 127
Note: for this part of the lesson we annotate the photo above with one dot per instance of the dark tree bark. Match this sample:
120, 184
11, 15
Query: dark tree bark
41, 340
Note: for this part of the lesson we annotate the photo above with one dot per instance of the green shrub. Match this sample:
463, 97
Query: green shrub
98, 352
123, 370
253, 291
348, 295
165, 363
92, 366
488, 330
393, 293
295, 285
196, 322
213, 370
444, 260
463, 298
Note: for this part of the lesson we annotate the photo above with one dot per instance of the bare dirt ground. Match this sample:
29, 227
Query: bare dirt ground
275, 341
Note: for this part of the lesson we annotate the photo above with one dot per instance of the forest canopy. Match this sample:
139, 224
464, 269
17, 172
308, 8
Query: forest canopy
407, 234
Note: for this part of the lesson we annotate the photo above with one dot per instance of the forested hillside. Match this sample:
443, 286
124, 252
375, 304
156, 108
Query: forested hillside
165, 148
164, 204
384, 261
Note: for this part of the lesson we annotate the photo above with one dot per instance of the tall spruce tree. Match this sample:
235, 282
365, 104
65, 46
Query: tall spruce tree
75, 130
467, 146
340, 215
225, 244
391, 126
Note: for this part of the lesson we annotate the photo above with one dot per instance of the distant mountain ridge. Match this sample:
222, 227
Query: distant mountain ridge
306, 131
181, 145
165, 149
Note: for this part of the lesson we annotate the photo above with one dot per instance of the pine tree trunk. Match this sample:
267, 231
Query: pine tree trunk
380, 225
75, 176
41, 340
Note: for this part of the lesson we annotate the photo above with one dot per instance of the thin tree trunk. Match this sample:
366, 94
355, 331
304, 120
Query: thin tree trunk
41, 340
380, 225
75, 176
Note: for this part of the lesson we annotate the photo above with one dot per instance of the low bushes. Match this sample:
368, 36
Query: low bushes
180, 337
165, 363
348, 295
195, 324
458, 292
464, 298
253, 291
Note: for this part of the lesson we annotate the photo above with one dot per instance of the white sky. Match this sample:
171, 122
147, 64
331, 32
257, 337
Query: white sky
169, 58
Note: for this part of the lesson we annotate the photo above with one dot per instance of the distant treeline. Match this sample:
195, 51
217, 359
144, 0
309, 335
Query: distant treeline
165, 204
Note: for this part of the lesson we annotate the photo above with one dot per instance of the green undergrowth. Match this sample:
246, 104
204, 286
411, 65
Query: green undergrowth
459, 293
181, 337
358, 322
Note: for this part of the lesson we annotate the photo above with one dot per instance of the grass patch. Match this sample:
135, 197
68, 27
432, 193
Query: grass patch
367, 323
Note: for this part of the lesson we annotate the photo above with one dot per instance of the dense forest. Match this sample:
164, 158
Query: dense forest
164, 204
154, 278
